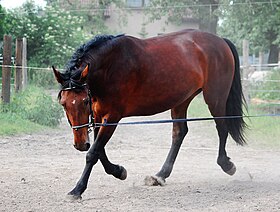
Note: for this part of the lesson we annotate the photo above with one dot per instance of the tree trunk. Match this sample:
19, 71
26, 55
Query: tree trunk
210, 23
273, 54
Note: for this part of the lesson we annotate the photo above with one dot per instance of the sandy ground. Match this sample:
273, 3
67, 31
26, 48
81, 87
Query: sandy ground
38, 170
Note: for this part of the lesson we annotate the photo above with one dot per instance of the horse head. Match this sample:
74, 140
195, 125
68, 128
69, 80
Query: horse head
76, 100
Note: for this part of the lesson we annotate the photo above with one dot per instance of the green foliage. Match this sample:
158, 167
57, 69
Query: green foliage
42, 77
179, 11
93, 12
256, 21
52, 33
2, 19
35, 105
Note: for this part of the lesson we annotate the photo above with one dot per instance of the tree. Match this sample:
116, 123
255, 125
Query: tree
2, 27
52, 33
93, 12
178, 11
2, 19
256, 21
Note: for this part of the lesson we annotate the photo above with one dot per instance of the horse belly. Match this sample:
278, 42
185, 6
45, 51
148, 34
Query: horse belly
162, 94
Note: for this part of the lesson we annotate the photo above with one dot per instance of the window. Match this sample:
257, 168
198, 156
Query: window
137, 3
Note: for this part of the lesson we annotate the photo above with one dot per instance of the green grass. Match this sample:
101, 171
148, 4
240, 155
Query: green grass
11, 124
262, 132
29, 111
198, 108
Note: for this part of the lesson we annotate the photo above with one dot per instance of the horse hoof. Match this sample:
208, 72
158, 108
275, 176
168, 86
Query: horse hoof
73, 197
226, 165
123, 174
232, 170
154, 181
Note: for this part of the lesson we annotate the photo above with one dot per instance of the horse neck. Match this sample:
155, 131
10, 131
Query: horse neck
99, 73
103, 57
113, 65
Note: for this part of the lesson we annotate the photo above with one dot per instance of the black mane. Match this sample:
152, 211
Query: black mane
72, 74
96, 42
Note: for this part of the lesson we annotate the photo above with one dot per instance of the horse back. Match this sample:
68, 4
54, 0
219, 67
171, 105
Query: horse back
156, 74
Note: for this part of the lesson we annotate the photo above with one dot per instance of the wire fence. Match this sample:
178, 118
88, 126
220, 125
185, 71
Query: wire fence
263, 107
262, 86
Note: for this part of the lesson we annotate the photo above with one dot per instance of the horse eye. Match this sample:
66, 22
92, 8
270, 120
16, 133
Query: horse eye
85, 101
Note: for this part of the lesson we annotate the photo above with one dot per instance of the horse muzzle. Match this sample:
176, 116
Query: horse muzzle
82, 146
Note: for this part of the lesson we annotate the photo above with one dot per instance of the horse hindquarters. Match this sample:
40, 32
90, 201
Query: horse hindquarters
225, 99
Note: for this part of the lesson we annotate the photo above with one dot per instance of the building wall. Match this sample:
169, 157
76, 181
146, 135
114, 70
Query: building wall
137, 23
136, 20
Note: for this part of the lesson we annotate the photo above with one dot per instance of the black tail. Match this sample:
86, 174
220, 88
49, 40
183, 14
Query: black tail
235, 102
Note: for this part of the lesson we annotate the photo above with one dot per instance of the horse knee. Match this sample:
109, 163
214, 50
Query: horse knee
92, 157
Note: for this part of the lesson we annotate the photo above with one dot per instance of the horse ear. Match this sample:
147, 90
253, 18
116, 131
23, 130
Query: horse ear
84, 74
57, 75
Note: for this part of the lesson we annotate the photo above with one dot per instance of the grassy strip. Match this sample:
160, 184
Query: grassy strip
198, 108
29, 111
262, 132
11, 124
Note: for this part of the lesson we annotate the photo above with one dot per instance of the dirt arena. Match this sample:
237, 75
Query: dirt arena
38, 170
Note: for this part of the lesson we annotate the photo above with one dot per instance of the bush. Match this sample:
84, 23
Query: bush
42, 77
35, 105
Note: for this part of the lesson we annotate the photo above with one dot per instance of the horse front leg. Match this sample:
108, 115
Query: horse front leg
116, 170
95, 152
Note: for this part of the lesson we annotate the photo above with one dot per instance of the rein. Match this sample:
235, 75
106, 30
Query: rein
72, 85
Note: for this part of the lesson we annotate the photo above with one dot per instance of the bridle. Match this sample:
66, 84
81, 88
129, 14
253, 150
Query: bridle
72, 85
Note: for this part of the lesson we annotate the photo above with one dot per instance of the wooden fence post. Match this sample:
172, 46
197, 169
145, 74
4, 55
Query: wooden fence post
261, 60
279, 59
18, 74
6, 69
24, 62
245, 74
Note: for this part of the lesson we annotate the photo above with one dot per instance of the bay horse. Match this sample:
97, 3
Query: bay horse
112, 77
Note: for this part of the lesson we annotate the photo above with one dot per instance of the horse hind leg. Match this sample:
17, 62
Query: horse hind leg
218, 109
180, 129
223, 160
